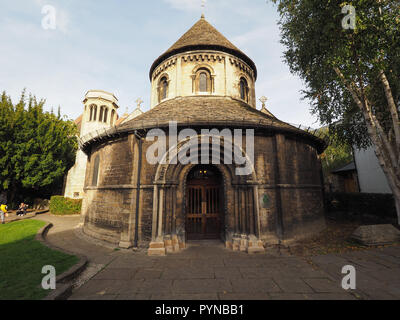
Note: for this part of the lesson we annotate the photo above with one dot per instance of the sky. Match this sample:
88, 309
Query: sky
111, 44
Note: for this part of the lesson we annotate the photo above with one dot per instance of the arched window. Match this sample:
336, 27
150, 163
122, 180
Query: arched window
163, 89
95, 176
94, 112
112, 117
105, 115
244, 90
203, 81
101, 113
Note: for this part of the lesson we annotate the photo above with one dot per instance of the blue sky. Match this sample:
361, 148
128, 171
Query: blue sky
111, 44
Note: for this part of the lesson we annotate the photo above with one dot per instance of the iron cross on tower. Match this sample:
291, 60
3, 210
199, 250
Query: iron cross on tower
203, 5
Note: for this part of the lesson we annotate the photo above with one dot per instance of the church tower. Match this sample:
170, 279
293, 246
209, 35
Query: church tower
203, 63
100, 112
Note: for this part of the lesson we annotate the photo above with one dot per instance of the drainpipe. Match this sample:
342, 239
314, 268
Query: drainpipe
136, 240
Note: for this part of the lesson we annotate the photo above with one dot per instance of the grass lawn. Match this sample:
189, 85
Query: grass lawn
22, 258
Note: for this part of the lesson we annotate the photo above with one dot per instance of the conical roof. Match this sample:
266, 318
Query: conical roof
203, 36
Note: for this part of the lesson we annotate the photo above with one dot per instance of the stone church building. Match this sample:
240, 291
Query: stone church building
203, 82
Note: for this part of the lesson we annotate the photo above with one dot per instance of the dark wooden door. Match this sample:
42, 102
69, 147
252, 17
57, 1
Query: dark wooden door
203, 216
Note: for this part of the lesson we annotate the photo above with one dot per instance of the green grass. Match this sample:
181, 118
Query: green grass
22, 259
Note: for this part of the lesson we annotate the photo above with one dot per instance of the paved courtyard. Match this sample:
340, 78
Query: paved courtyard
207, 271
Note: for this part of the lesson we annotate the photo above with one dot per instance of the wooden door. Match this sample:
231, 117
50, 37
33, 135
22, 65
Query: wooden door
203, 212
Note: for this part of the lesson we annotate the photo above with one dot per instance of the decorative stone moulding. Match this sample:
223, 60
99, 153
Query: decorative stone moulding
242, 67
203, 57
164, 67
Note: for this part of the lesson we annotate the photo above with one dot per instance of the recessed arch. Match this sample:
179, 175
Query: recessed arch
96, 170
102, 108
105, 115
244, 89
203, 79
113, 117
171, 156
93, 112
163, 87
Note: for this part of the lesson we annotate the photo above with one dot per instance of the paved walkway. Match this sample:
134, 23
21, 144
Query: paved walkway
207, 271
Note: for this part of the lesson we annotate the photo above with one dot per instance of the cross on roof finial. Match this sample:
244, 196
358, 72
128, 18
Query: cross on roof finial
203, 5
263, 100
138, 102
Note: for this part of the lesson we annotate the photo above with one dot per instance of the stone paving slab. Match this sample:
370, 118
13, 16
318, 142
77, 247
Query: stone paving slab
133, 296
156, 286
255, 286
189, 273
102, 287
227, 273
293, 285
202, 286
287, 296
115, 274
329, 296
324, 285
180, 297
148, 273
244, 296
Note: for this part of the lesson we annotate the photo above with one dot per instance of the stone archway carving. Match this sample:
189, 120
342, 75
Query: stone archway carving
243, 228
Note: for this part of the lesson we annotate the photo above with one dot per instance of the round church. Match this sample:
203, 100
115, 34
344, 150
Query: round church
203, 163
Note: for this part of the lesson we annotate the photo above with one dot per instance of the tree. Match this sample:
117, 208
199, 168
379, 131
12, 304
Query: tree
336, 155
37, 148
352, 75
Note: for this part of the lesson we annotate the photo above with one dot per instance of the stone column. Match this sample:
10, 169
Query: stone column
157, 247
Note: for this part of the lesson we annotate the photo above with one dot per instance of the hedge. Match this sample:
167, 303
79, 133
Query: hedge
60, 205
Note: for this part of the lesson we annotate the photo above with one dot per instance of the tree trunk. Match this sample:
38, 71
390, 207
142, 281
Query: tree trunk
396, 191
11, 195
387, 153
397, 202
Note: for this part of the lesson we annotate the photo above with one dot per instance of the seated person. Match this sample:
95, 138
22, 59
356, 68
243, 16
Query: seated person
22, 209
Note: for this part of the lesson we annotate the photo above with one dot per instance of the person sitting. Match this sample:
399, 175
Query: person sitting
22, 209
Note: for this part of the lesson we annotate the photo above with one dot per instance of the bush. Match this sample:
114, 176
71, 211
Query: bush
60, 205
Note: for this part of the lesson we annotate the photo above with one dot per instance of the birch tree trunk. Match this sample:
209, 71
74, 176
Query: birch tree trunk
387, 151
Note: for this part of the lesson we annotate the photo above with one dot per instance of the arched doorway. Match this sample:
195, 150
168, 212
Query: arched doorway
204, 203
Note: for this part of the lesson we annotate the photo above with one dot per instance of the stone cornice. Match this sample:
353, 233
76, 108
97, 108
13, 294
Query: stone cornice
163, 67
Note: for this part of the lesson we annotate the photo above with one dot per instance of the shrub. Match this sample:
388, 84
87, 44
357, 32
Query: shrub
60, 205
